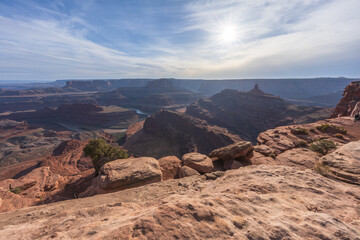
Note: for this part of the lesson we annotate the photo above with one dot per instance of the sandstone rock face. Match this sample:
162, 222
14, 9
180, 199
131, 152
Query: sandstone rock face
171, 133
255, 202
300, 157
241, 149
249, 113
284, 138
186, 171
170, 167
19, 142
63, 175
28, 190
127, 173
288, 145
199, 162
351, 98
344, 163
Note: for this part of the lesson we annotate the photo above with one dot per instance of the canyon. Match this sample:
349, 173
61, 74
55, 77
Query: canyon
237, 165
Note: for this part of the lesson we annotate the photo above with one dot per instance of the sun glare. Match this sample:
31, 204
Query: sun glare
228, 34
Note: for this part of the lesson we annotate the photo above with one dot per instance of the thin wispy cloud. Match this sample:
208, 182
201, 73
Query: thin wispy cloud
191, 39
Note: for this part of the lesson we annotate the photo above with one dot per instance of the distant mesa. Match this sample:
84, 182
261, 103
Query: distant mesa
162, 83
246, 114
171, 133
256, 91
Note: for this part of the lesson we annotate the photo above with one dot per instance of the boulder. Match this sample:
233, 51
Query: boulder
170, 167
241, 149
187, 172
199, 162
127, 173
344, 163
263, 149
232, 164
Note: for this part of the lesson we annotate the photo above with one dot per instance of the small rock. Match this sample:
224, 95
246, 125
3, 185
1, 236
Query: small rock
199, 162
170, 167
187, 172
241, 149
214, 175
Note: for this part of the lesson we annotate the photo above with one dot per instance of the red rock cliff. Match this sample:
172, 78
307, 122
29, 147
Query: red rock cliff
351, 99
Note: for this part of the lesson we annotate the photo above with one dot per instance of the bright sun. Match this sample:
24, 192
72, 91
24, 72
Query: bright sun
228, 34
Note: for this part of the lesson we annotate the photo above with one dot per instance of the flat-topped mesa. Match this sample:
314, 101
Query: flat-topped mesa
162, 83
349, 105
79, 107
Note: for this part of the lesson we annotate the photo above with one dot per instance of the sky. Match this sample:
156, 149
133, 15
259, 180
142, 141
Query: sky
224, 39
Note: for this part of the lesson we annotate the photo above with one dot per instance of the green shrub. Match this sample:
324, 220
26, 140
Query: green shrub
100, 152
339, 135
301, 143
272, 155
322, 146
320, 168
300, 131
16, 190
329, 128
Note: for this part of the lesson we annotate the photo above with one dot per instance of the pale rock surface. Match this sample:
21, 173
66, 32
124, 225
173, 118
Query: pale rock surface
300, 157
344, 163
254, 202
197, 161
126, 173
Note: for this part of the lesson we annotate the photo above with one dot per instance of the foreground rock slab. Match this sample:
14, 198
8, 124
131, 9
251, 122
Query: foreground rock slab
254, 202
344, 163
126, 173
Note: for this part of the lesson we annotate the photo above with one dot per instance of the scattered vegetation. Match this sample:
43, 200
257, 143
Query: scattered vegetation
101, 152
273, 155
16, 190
119, 138
300, 131
329, 128
301, 143
322, 146
339, 135
321, 168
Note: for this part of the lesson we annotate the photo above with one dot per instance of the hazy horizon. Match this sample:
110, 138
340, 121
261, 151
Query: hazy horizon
63, 39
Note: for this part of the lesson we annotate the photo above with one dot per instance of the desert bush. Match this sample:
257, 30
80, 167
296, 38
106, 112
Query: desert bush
299, 131
100, 152
272, 155
329, 128
301, 143
322, 146
16, 190
321, 168
339, 135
